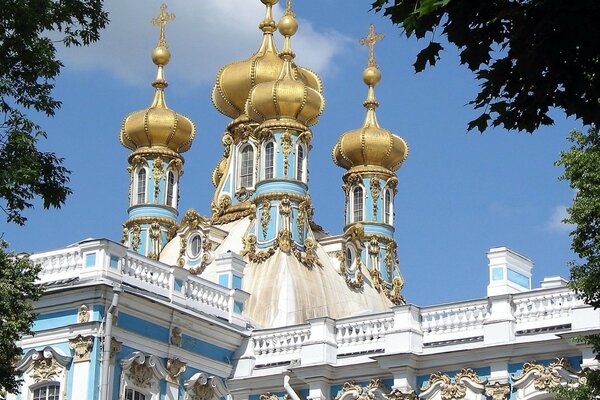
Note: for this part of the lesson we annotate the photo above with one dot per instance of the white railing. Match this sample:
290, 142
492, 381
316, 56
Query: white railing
273, 347
59, 264
111, 262
539, 310
454, 321
205, 295
362, 336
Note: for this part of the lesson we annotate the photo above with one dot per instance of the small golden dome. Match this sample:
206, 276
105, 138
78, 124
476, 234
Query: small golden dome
287, 97
158, 126
370, 145
235, 80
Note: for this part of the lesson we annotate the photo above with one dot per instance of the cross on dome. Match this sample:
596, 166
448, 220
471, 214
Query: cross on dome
370, 41
161, 21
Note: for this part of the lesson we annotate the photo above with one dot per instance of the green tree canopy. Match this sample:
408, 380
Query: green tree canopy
529, 55
28, 67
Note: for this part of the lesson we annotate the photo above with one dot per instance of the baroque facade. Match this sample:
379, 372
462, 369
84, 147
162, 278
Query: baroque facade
257, 301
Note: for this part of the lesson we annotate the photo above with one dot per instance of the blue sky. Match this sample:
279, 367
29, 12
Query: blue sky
459, 193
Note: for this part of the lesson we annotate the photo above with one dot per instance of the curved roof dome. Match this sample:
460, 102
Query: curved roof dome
157, 125
236, 80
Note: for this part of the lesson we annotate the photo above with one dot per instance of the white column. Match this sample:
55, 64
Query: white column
322, 347
82, 347
500, 325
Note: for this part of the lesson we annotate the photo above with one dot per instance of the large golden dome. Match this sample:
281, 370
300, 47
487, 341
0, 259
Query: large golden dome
287, 97
370, 145
235, 80
158, 126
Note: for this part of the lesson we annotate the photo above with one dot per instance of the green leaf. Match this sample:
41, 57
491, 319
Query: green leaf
429, 54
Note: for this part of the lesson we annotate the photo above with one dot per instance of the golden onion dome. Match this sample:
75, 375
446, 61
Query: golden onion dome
158, 126
370, 145
287, 97
235, 80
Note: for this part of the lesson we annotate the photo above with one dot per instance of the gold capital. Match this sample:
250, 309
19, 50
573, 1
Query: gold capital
161, 21
370, 41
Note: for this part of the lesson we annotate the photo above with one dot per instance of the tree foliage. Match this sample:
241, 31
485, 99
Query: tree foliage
529, 55
28, 67
17, 290
582, 170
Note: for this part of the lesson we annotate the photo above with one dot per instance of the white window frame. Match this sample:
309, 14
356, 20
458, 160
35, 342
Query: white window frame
264, 160
239, 166
352, 204
301, 164
388, 211
173, 202
136, 199
190, 252
159, 372
40, 385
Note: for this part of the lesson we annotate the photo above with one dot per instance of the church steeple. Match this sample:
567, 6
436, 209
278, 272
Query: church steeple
157, 135
371, 155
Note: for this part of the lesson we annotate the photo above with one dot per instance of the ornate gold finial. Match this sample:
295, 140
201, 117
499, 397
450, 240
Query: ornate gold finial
161, 21
288, 9
370, 41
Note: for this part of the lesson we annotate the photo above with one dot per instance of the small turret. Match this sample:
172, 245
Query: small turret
157, 135
371, 155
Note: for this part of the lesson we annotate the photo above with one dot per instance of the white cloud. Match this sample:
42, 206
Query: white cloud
555, 222
205, 35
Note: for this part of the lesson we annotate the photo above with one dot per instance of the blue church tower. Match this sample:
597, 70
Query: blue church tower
157, 135
371, 155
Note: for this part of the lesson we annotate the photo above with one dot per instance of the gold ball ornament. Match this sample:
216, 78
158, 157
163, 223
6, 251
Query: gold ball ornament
371, 76
288, 26
161, 55
269, 2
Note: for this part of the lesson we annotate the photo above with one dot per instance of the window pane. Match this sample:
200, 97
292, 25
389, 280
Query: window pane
47, 392
141, 186
247, 167
170, 188
269, 160
300, 163
388, 207
358, 204
128, 394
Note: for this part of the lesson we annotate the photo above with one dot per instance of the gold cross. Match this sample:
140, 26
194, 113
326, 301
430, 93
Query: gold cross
370, 41
288, 8
161, 21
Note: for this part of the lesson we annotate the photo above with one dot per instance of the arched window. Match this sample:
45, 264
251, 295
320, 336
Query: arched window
388, 207
300, 157
171, 189
131, 394
357, 204
269, 160
247, 167
49, 391
141, 186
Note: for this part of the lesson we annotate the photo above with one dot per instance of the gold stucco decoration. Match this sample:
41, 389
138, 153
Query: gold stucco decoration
157, 173
81, 346
45, 369
391, 257
397, 394
286, 147
268, 396
219, 208
175, 367
154, 232
498, 391
244, 194
265, 217
140, 375
394, 294
83, 315
135, 239
375, 191
182, 247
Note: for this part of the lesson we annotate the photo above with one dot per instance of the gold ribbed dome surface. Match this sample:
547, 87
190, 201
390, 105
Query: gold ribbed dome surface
370, 145
235, 80
157, 125
287, 97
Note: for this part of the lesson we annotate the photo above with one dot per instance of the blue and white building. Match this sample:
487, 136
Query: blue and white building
257, 301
